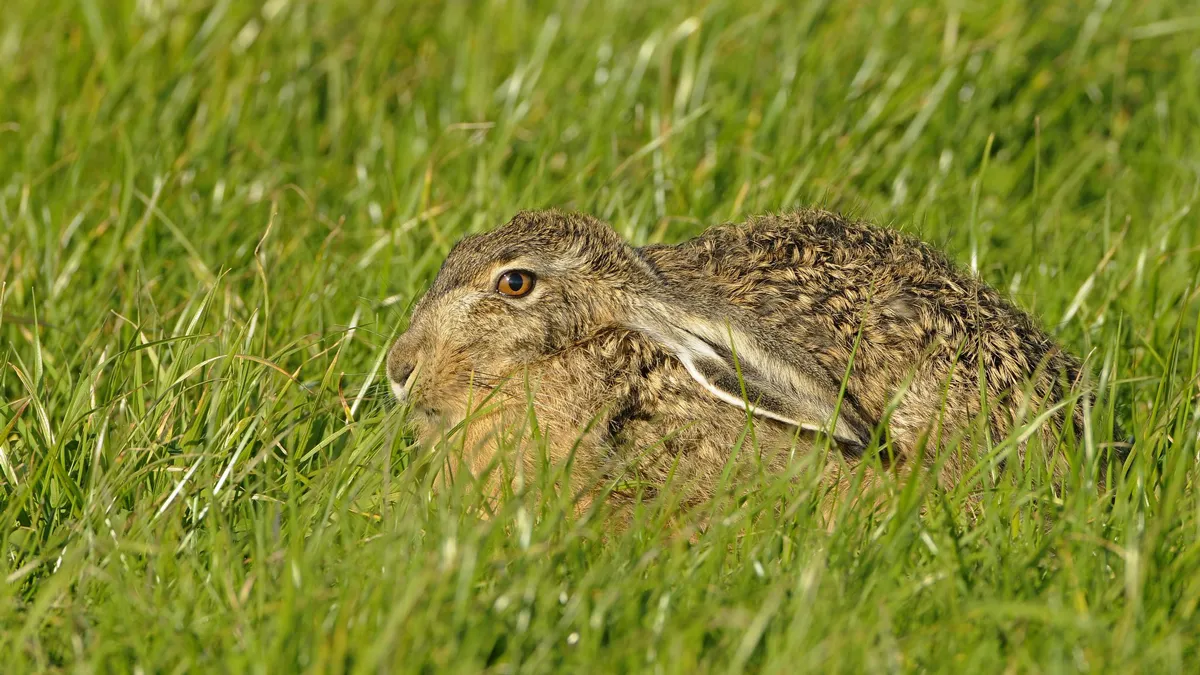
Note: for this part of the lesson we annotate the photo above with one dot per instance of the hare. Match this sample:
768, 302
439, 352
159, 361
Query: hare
653, 362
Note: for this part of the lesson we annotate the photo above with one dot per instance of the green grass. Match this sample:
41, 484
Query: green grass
214, 216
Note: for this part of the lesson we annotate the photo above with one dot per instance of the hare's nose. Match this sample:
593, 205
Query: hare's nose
401, 375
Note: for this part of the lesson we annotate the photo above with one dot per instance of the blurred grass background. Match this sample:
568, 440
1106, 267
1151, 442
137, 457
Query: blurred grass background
215, 214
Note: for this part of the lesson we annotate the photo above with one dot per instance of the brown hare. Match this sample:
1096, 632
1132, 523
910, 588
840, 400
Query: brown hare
653, 362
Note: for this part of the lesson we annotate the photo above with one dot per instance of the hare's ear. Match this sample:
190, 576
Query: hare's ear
736, 370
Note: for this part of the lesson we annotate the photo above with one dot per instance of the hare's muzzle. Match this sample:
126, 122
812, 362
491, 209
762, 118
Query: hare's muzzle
402, 376
402, 367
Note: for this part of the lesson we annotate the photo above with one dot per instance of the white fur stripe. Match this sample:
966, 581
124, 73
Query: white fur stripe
690, 366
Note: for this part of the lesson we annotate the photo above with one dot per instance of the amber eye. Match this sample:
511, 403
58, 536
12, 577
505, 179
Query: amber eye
515, 283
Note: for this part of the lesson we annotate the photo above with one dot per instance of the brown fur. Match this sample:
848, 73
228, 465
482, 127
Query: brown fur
596, 348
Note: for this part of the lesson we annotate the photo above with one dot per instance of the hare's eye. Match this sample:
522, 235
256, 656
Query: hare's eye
515, 283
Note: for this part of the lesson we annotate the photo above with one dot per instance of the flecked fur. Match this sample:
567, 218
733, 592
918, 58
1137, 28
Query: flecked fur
596, 349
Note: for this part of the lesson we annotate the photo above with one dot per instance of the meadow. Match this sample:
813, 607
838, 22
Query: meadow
215, 216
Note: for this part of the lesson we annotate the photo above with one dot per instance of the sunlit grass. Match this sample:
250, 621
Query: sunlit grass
214, 217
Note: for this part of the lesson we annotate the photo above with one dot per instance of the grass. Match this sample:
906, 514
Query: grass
214, 216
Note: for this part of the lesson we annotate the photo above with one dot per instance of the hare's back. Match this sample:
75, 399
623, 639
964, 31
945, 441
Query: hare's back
817, 248
813, 279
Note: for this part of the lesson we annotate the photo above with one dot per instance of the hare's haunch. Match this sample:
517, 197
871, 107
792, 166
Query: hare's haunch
652, 360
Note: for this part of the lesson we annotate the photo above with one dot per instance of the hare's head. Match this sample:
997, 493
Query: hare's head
547, 280
505, 299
